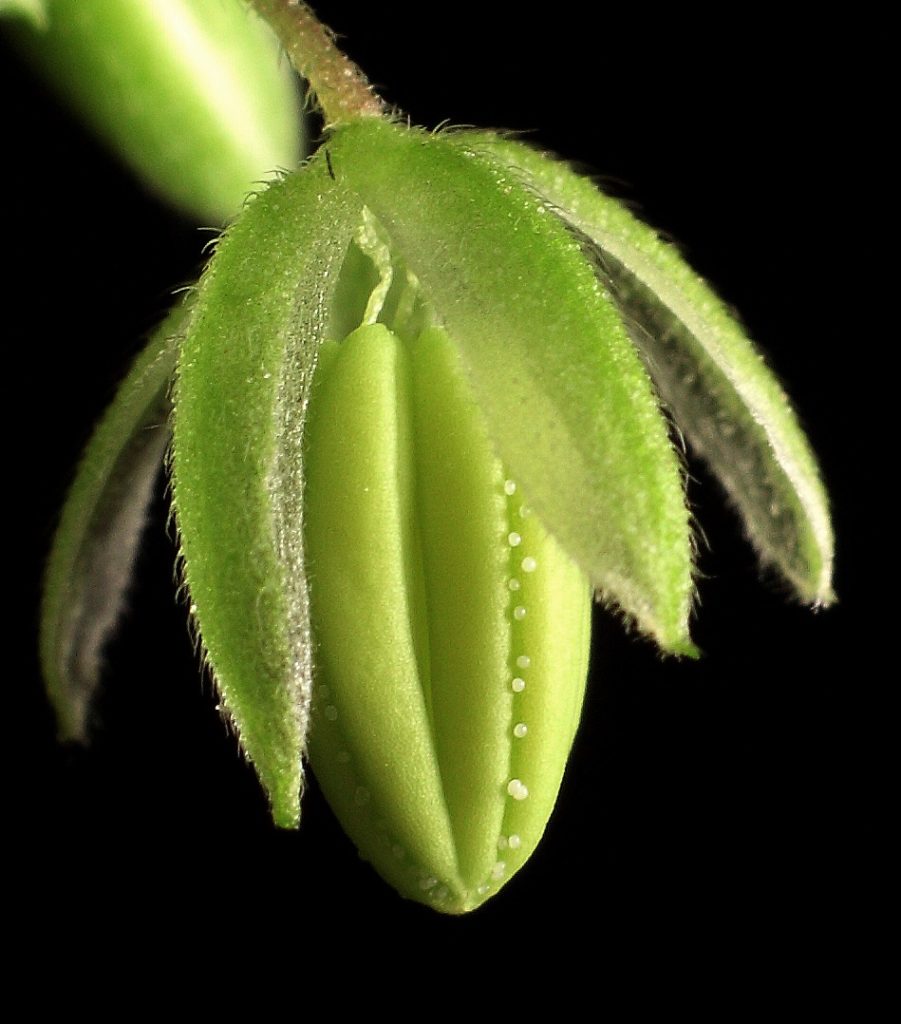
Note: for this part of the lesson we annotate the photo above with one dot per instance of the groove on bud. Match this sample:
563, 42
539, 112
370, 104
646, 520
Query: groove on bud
451, 631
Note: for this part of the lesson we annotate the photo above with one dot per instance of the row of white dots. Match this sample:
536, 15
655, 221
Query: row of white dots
516, 788
510, 490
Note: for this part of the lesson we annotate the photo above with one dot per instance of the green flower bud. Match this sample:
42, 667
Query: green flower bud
191, 94
450, 631
557, 388
417, 419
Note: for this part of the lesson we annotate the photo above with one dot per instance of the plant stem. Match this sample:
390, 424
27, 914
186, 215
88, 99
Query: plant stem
339, 85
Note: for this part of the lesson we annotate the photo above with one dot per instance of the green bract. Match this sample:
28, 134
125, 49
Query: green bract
412, 433
190, 93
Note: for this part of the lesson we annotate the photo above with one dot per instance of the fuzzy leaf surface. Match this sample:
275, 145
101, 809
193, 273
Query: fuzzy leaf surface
94, 548
567, 401
240, 403
721, 392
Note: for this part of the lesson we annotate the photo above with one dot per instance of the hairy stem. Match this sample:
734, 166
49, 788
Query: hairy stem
340, 86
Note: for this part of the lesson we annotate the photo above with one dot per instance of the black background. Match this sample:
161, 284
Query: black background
725, 803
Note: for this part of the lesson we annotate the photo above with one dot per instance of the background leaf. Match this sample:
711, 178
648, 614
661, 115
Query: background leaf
94, 549
191, 95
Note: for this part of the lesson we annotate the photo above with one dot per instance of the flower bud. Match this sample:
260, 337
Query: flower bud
451, 631
368, 585
190, 94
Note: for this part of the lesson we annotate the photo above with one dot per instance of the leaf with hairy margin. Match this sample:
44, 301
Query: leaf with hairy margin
567, 401
722, 395
93, 553
242, 388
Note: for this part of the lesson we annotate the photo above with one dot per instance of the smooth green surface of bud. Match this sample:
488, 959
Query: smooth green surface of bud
191, 94
451, 632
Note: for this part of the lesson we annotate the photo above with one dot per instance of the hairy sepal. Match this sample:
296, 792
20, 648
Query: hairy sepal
93, 553
566, 399
240, 404
723, 396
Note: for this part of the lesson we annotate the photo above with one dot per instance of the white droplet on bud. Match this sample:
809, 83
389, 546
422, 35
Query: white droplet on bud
517, 789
